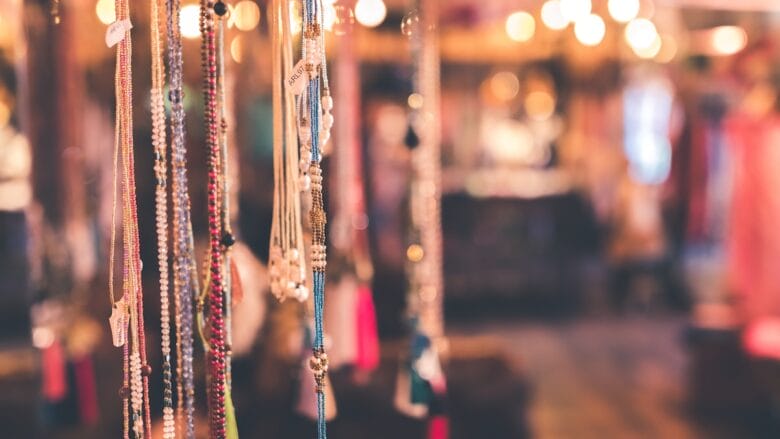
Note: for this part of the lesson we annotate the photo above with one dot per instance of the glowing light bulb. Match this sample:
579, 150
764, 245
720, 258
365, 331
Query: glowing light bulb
640, 33
590, 30
520, 26
552, 16
623, 11
370, 13
573, 10
246, 15
189, 17
105, 11
728, 40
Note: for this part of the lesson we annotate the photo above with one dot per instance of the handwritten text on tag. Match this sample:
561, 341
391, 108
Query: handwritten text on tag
116, 31
298, 78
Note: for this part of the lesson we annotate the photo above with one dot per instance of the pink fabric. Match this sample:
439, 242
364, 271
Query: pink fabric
439, 427
87, 396
367, 338
753, 239
54, 383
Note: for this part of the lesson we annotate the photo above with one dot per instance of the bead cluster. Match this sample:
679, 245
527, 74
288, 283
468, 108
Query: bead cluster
318, 363
288, 274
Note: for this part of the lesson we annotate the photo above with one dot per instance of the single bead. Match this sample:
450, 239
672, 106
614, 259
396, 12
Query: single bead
228, 239
220, 8
146, 370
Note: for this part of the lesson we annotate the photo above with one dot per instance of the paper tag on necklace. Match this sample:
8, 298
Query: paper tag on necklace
298, 78
118, 322
116, 31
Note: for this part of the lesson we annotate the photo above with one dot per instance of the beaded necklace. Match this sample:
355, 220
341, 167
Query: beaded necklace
217, 359
161, 206
127, 322
422, 385
185, 280
316, 128
287, 265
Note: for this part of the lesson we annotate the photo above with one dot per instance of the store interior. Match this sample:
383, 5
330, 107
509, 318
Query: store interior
521, 218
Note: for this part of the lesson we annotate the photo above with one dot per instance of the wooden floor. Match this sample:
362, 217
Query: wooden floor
614, 377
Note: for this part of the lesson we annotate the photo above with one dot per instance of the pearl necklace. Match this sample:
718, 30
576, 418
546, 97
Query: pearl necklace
161, 205
127, 322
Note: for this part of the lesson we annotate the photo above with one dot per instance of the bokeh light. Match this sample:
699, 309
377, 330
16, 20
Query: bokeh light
370, 13
728, 40
505, 85
106, 12
590, 30
640, 34
573, 10
246, 15
650, 51
520, 26
189, 17
623, 11
552, 16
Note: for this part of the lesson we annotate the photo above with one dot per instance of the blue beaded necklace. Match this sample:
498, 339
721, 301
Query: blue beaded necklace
316, 69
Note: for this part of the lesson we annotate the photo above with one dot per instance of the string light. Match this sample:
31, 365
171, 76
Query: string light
573, 10
650, 51
105, 11
520, 26
246, 15
189, 17
590, 30
727, 40
640, 34
552, 16
623, 11
370, 13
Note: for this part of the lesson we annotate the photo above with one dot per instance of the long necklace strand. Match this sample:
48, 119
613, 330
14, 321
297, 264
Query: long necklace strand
185, 281
129, 310
161, 204
216, 299
315, 67
227, 237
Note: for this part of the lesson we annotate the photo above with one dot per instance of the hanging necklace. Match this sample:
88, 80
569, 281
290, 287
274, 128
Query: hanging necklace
216, 294
127, 314
161, 204
185, 278
314, 130
421, 383
287, 266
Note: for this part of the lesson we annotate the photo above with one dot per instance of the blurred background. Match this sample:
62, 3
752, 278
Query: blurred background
609, 215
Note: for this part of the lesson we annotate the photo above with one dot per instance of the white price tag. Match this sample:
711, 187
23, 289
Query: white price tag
116, 32
297, 80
